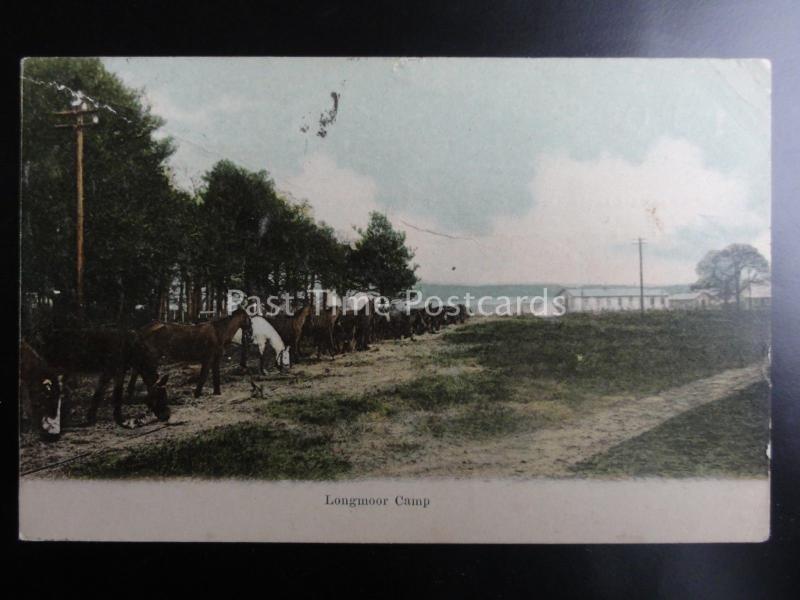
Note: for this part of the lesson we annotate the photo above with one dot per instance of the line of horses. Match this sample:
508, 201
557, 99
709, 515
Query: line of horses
112, 353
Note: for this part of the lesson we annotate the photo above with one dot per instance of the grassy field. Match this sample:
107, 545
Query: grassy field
488, 380
614, 353
718, 439
251, 451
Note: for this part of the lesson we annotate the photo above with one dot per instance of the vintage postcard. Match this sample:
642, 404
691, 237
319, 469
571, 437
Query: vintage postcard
395, 300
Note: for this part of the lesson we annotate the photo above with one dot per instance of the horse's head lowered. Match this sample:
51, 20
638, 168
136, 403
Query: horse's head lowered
242, 320
145, 358
44, 387
47, 394
157, 398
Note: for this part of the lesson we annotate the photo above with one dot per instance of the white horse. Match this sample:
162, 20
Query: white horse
265, 335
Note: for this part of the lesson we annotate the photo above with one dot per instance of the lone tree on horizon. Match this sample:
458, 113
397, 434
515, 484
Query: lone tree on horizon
381, 260
731, 270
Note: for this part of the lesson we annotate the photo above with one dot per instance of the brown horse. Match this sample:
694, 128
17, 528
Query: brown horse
203, 343
365, 319
320, 327
290, 328
40, 393
344, 333
109, 352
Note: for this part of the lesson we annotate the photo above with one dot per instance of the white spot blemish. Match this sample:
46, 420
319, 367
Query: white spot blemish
53, 425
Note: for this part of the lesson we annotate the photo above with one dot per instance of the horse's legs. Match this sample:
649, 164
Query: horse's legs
330, 343
132, 383
119, 383
202, 380
99, 393
261, 361
215, 373
243, 352
67, 404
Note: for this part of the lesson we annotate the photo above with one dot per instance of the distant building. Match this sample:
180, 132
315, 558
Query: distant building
612, 299
756, 295
699, 299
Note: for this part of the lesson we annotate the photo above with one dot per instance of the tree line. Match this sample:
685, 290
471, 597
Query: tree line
145, 237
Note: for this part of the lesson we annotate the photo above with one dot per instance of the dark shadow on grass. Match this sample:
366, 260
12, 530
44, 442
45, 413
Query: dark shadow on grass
247, 451
724, 438
325, 410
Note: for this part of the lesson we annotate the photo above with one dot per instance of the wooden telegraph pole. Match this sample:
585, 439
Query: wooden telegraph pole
641, 278
78, 124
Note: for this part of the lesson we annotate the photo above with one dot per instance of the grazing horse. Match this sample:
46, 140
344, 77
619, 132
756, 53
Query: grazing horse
40, 392
263, 335
344, 333
420, 321
400, 324
364, 325
450, 314
290, 328
359, 311
203, 343
381, 326
319, 327
109, 352
463, 313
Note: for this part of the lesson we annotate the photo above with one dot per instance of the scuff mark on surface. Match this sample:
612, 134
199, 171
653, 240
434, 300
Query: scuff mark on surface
652, 212
329, 117
77, 96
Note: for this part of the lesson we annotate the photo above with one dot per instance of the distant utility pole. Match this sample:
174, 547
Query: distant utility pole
77, 114
641, 277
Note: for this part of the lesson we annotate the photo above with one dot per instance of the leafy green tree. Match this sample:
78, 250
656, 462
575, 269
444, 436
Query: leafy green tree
236, 206
256, 240
143, 235
132, 232
380, 260
329, 260
731, 270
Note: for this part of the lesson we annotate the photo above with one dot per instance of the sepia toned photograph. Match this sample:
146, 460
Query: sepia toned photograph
428, 300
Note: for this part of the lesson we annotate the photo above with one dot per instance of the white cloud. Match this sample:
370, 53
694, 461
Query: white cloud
199, 117
582, 226
340, 197
172, 112
587, 214
613, 201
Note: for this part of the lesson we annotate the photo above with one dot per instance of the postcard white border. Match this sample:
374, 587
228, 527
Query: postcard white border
460, 511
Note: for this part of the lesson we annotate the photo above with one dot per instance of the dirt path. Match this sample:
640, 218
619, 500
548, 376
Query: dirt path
551, 452
384, 365
379, 448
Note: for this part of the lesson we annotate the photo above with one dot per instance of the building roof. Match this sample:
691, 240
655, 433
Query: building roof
690, 295
611, 291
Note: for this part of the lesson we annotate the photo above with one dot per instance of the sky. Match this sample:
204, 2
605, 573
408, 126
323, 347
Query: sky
499, 171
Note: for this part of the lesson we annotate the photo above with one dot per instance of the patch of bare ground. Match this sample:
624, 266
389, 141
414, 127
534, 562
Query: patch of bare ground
412, 408
384, 366
552, 450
